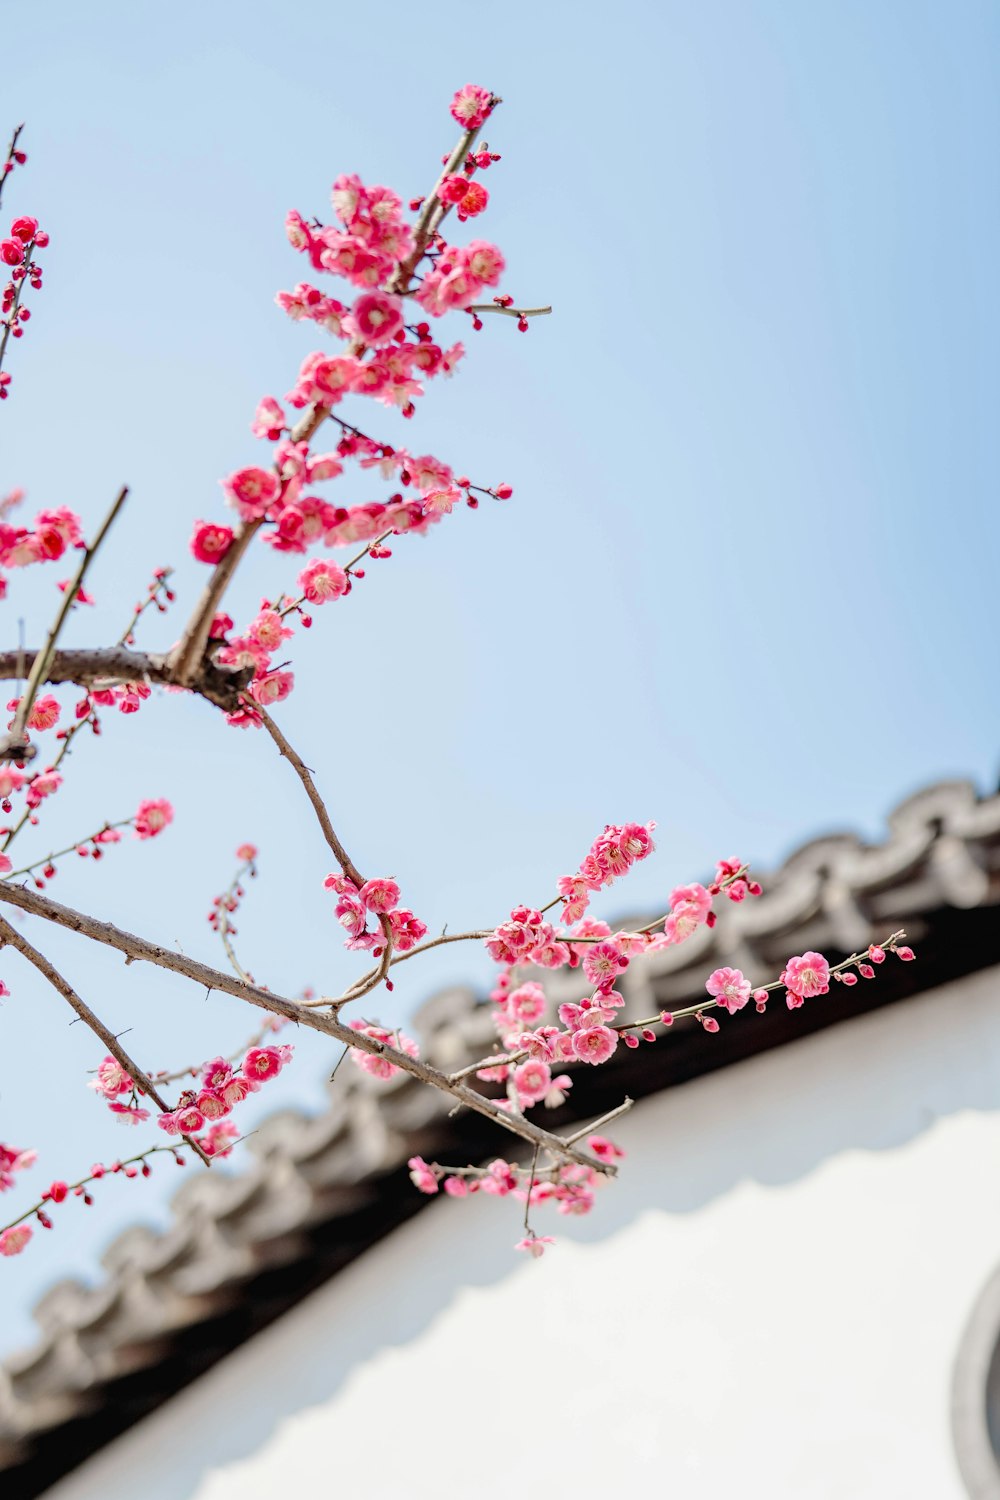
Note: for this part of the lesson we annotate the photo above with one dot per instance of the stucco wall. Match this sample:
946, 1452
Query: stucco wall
767, 1305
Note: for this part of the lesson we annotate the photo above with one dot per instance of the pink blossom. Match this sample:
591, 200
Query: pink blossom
212, 1103
471, 106
407, 930
234, 1090
189, 1119
421, 1175
14, 1239
129, 1114
906, 954
603, 963
152, 817
272, 687
730, 988
535, 1244
269, 419
218, 1139
474, 202
216, 1073
806, 976
376, 317
210, 543
252, 491
604, 1149
456, 1187
321, 580
44, 712
111, 1079
500, 1178
268, 630
379, 895
262, 1063
170, 1122
11, 1161
532, 1080
594, 1044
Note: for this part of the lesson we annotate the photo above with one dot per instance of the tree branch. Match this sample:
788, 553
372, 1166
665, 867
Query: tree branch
10, 935
135, 947
105, 666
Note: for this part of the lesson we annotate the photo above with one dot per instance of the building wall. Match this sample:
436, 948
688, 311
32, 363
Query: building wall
768, 1304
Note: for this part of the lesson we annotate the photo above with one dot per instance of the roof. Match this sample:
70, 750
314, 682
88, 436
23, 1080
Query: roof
325, 1188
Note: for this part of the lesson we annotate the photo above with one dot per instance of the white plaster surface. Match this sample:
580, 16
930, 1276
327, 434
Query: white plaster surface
766, 1306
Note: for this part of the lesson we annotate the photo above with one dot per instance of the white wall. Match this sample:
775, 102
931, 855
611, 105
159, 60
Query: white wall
766, 1305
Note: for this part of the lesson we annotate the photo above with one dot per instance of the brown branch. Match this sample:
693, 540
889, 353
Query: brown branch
350, 869
106, 666
138, 948
10, 935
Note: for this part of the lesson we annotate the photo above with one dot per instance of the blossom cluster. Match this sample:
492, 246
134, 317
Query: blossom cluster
379, 899
18, 255
377, 251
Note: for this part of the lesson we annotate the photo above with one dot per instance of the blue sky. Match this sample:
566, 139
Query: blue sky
745, 582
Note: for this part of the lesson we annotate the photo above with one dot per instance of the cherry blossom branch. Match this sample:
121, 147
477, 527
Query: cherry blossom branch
47, 859
192, 1072
10, 935
15, 745
138, 948
106, 666
77, 1188
508, 312
8, 165
189, 653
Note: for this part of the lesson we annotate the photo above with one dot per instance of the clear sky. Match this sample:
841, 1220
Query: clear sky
745, 585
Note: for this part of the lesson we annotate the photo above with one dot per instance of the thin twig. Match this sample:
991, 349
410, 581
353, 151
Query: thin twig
16, 743
9, 934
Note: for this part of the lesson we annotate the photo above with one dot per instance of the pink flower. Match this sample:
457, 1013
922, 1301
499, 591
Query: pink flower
730, 988
269, 419
532, 1080
471, 106
13, 1240
234, 1090
272, 687
218, 1139
252, 491
379, 895
247, 853
421, 1175
603, 963
128, 1114
321, 580
906, 954
594, 1044
210, 543
188, 1119
212, 1104
111, 1079
170, 1122
407, 930
806, 976
474, 201
376, 317
535, 1244
262, 1063
152, 817
44, 712
604, 1149
216, 1073
24, 229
